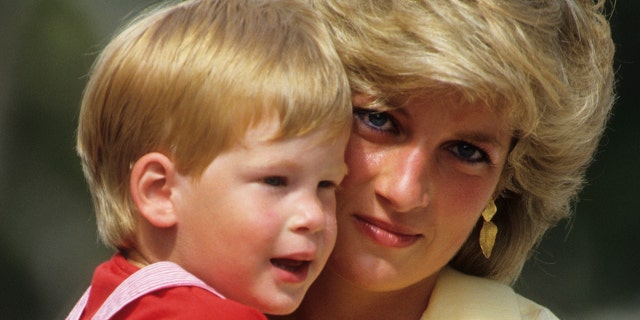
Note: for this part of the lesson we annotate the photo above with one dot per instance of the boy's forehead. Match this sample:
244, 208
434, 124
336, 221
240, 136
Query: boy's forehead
265, 129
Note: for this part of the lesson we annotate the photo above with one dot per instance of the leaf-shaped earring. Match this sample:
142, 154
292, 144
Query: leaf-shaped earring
489, 230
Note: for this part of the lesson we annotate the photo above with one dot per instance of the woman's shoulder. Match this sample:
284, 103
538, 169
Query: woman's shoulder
534, 311
460, 296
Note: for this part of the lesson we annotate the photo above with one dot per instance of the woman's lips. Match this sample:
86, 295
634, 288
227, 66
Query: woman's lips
385, 234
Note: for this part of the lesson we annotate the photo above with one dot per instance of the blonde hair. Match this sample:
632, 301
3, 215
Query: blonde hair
189, 79
546, 65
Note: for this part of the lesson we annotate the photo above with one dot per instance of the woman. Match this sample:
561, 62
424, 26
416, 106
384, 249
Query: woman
461, 107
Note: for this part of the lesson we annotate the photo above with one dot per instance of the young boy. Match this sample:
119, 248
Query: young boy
212, 136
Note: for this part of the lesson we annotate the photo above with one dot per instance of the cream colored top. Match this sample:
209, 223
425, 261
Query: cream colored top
460, 296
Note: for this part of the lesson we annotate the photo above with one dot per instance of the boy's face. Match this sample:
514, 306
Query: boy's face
260, 223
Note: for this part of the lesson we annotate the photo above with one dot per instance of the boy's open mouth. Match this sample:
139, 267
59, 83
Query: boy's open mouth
290, 265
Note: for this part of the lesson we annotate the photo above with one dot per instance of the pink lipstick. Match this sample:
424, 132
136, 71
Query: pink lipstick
385, 234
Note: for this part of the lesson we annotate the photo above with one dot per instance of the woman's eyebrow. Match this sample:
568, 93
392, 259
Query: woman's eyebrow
485, 138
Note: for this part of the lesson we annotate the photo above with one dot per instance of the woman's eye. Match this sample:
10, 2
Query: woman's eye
275, 181
468, 152
375, 120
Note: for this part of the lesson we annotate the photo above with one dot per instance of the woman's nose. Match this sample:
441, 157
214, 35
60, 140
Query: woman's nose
403, 180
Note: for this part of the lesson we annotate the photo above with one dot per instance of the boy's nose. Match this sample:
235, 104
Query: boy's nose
310, 216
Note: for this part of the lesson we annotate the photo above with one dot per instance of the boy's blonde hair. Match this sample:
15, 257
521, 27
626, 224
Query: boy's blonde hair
189, 79
546, 65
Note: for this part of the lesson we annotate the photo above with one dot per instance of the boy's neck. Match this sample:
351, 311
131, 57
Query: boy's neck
331, 297
135, 258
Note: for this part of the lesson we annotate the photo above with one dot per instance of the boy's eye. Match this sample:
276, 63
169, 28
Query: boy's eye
326, 184
275, 181
468, 152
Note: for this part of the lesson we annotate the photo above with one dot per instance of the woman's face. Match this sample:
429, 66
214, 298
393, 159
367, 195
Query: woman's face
419, 177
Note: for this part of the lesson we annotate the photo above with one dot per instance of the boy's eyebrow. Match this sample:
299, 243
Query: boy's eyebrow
280, 164
292, 165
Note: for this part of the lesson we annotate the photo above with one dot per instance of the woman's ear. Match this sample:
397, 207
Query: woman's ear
151, 185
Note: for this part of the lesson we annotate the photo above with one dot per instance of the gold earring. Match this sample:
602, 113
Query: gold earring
489, 229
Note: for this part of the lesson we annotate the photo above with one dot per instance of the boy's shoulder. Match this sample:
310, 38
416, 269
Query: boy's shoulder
166, 301
186, 302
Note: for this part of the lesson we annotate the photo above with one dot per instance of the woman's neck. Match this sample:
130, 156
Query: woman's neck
331, 297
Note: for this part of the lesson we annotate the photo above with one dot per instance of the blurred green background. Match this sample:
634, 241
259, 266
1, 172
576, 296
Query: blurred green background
588, 268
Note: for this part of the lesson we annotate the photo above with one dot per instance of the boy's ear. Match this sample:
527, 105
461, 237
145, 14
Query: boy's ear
151, 184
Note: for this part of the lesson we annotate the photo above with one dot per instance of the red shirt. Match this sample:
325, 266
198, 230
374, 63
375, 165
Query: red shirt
182, 302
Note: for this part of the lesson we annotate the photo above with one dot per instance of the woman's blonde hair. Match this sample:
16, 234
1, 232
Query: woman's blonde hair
189, 79
546, 65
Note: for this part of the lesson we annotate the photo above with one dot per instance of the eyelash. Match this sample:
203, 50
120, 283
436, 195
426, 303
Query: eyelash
362, 113
327, 184
484, 156
276, 181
